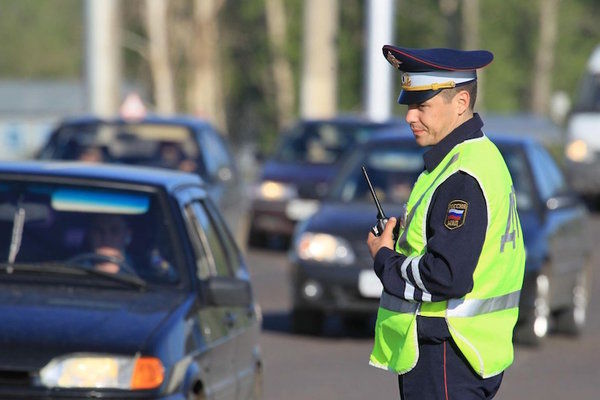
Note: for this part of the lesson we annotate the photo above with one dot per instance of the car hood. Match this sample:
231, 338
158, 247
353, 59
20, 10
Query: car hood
41, 323
352, 222
310, 179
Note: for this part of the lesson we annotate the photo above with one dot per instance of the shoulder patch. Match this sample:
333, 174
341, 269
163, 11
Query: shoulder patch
456, 214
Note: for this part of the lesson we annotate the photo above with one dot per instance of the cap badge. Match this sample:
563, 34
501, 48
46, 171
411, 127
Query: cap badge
393, 60
406, 80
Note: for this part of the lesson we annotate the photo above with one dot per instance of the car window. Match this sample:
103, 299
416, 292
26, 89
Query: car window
215, 153
148, 144
105, 229
392, 172
212, 241
229, 244
548, 176
588, 98
322, 142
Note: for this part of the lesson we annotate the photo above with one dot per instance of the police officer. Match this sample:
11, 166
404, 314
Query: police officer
453, 277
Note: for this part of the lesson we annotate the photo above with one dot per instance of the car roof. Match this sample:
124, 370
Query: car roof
183, 120
350, 119
159, 177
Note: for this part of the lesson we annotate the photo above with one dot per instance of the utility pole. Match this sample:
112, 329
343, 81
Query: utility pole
103, 56
378, 83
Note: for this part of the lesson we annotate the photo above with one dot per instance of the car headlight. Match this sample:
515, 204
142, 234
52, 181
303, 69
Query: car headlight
325, 248
271, 190
578, 151
103, 371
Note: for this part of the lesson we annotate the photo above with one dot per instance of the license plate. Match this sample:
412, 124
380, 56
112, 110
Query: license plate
369, 284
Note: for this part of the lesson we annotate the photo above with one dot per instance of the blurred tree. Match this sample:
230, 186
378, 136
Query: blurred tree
471, 40
281, 67
319, 65
160, 62
541, 85
41, 39
205, 95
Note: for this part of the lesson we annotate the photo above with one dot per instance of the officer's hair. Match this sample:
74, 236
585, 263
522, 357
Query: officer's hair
471, 87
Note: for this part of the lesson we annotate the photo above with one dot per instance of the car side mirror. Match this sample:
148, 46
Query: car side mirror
226, 291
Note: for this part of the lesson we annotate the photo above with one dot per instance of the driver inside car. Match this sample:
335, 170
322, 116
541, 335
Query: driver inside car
109, 237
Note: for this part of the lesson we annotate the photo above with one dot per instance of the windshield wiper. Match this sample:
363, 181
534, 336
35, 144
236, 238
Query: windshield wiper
17, 233
77, 269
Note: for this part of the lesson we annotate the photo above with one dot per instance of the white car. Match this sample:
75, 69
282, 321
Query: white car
583, 133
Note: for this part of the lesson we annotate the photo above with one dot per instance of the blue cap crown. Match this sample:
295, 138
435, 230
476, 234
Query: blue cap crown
425, 72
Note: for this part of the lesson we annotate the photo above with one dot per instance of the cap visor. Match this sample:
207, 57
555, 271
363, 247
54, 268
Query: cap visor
416, 97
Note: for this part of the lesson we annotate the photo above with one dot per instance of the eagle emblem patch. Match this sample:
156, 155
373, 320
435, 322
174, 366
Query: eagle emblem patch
456, 214
393, 60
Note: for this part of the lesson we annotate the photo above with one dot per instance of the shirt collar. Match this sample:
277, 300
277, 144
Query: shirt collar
470, 129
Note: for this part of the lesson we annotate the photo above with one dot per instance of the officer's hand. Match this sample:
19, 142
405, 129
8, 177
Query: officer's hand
384, 240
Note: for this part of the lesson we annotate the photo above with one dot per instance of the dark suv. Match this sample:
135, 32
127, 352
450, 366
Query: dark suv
121, 282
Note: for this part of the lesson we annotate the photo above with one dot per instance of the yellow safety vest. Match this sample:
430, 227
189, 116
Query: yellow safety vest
481, 323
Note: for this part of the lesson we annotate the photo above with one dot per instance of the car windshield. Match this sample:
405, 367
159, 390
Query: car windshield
321, 142
159, 145
392, 171
59, 228
588, 98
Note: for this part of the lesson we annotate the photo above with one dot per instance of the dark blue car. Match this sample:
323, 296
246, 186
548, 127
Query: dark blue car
300, 172
121, 282
332, 267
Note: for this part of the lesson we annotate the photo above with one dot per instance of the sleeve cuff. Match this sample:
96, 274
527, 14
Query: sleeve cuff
382, 256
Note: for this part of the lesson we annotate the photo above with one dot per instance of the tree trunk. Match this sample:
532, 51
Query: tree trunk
282, 70
544, 59
319, 71
470, 38
205, 96
162, 75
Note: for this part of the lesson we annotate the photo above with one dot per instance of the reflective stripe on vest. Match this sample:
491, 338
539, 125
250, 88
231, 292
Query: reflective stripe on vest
456, 307
474, 307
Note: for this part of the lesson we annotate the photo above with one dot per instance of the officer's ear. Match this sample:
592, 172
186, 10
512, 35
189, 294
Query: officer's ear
462, 100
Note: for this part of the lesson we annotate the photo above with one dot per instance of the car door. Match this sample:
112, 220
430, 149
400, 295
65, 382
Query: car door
564, 223
216, 321
247, 361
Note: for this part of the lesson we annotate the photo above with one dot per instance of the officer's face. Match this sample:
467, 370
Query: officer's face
432, 120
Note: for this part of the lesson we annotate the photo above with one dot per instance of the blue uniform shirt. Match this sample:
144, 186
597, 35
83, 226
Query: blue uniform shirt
447, 267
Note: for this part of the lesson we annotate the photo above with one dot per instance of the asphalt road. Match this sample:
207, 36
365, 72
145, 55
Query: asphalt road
335, 365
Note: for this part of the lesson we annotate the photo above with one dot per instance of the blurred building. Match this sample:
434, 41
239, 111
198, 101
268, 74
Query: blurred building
29, 109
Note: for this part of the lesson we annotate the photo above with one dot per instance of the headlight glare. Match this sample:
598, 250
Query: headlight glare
271, 190
578, 151
103, 372
322, 247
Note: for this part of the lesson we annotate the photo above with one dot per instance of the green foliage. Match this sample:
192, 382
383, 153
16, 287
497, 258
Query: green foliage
351, 46
41, 39
45, 39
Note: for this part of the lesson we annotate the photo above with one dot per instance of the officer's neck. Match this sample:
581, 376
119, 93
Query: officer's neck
459, 120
